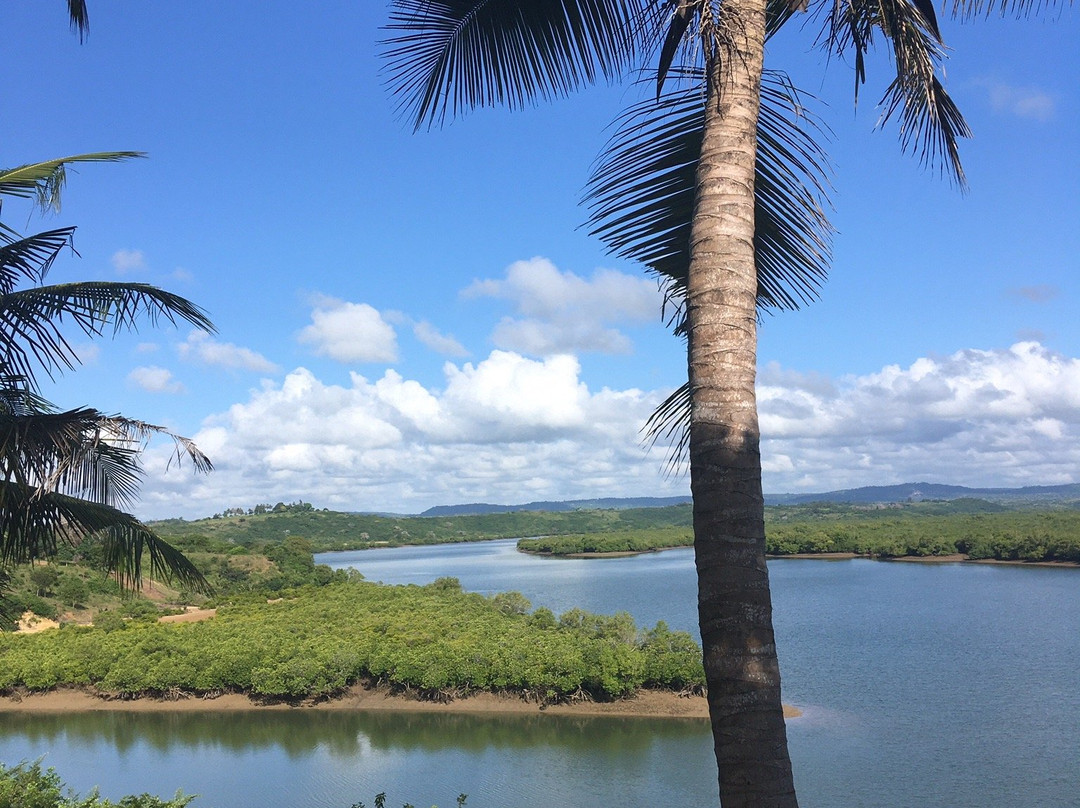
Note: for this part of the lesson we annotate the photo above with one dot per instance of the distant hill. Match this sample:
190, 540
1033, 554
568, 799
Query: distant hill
867, 495
604, 503
915, 492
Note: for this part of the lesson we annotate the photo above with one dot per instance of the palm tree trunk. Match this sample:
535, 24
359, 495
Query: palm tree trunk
734, 603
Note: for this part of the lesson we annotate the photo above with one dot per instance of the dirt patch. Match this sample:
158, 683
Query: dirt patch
31, 623
192, 615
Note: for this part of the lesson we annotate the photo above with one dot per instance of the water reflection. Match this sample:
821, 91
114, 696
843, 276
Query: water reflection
347, 734
319, 760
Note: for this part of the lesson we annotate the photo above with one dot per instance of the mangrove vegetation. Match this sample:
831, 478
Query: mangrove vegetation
434, 641
974, 529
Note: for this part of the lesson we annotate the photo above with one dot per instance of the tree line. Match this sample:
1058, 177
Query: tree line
901, 532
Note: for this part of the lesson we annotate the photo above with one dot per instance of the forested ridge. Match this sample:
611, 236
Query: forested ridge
332, 530
973, 527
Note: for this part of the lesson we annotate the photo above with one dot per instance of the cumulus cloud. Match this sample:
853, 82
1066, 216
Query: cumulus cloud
1023, 102
128, 261
349, 332
506, 429
511, 429
560, 312
999, 417
201, 347
153, 379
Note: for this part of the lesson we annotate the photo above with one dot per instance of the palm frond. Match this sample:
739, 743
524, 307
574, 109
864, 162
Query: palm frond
32, 524
125, 544
971, 9
680, 22
80, 18
17, 397
670, 424
641, 191
131, 431
31, 319
36, 446
83, 452
444, 57
930, 123
777, 13
792, 232
44, 181
30, 258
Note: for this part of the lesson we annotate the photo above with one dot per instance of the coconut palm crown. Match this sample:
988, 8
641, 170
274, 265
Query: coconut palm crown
69, 475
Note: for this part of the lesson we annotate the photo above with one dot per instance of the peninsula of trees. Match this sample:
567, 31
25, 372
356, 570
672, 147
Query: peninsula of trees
436, 642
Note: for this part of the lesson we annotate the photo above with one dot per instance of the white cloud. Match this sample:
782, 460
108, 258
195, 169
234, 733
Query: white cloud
510, 429
201, 347
437, 341
128, 261
1023, 102
560, 312
153, 379
349, 332
1001, 417
88, 352
507, 429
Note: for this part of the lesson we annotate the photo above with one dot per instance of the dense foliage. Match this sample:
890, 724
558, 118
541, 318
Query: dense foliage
892, 533
623, 541
435, 641
979, 530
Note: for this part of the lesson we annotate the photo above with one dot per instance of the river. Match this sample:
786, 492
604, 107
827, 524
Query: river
951, 685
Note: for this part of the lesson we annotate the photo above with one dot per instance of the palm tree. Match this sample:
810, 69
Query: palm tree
691, 204
65, 476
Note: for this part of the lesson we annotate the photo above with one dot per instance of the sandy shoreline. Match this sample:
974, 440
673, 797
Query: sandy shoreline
647, 704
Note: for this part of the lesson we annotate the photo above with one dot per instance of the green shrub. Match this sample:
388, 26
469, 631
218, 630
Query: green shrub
109, 621
27, 786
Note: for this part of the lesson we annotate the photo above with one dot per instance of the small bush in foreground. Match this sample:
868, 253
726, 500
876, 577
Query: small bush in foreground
28, 786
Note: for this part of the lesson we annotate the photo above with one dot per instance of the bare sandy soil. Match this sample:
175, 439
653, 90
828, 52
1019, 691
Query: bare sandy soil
648, 703
192, 615
31, 623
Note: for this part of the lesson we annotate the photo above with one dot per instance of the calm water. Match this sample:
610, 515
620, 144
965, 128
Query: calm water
922, 685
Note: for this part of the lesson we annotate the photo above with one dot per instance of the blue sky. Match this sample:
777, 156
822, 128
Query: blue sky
408, 320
